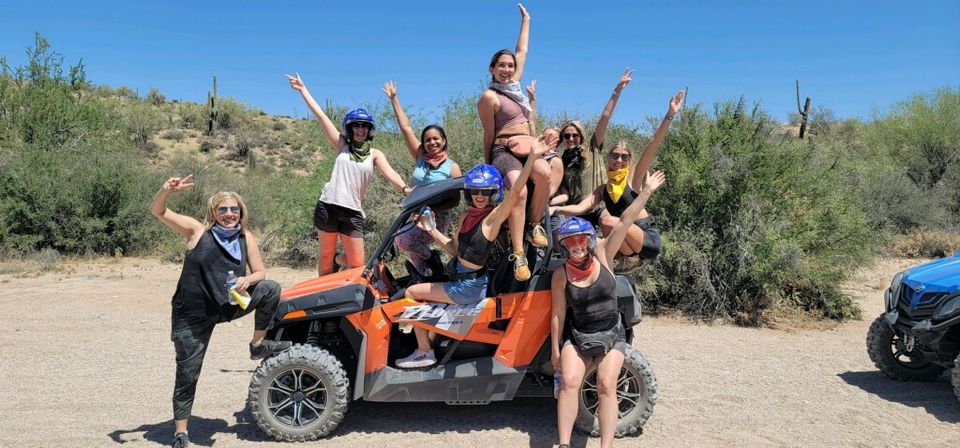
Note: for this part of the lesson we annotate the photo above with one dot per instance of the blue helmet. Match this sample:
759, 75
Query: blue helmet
576, 226
483, 177
358, 115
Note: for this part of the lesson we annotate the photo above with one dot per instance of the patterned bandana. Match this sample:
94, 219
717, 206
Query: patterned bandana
474, 216
512, 91
617, 182
359, 151
228, 239
434, 160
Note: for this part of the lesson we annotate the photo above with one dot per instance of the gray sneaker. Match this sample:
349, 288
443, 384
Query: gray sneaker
180, 440
268, 347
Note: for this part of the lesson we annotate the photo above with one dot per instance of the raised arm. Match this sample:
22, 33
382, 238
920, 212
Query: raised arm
383, 165
522, 42
184, 225
532, 119
326, 125
601, 130
611, 244
646, 159
500, 213
413, 143
487, 108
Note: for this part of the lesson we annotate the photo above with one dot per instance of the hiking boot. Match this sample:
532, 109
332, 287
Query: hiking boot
626, 264
521, 271
537, 236
267, 347
417, 359
180, 440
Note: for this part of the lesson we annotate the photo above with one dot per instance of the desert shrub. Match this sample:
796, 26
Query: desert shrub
926, 244
156, 98
751, 220
173, 134
278, 126
207, 146
142, 121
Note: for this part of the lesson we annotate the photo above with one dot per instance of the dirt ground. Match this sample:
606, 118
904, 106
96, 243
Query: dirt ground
87, 361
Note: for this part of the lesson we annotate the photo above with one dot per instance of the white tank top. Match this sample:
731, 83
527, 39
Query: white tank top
348, 182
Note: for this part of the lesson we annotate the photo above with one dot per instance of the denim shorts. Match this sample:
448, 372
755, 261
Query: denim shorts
467, 291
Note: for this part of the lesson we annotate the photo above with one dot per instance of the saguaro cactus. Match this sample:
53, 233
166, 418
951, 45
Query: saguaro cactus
213, 112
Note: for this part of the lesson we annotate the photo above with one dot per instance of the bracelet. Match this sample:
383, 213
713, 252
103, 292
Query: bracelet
668, 117
403, 189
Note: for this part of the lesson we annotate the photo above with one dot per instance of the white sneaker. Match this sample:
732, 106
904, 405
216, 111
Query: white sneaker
417, 359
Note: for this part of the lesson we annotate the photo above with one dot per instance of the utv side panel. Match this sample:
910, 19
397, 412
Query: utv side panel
528, 329
484, 379
375, 325
338, 301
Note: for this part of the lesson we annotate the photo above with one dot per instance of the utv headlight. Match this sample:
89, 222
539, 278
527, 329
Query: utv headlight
893, 292
949, 309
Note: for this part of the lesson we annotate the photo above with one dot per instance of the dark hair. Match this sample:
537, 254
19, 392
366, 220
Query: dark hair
443, 135
496, 56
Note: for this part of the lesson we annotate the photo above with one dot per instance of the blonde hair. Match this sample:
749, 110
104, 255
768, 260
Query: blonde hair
215, 202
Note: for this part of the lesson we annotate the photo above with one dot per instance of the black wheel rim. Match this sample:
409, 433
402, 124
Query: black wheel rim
297, 397
629, 392
904, 357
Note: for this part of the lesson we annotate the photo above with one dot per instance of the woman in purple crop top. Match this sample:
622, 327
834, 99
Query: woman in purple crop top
504, 113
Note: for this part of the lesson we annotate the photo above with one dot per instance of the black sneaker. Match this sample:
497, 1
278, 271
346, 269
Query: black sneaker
180, 440
268, 347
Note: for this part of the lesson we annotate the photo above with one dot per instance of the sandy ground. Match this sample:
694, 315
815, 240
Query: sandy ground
87, 361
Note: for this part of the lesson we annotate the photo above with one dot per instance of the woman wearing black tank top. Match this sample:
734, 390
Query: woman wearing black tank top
223, 244
478, 228
586, 286
619, 192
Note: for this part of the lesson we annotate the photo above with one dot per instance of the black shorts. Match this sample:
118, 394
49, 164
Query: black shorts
505, 161
652, 244
334, 218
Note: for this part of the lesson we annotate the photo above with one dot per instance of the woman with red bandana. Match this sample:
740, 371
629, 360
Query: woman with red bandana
643, 240
431, 163
585, 286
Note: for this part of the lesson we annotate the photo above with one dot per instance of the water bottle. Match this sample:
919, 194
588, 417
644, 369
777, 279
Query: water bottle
556, 385
428, 220
230, 284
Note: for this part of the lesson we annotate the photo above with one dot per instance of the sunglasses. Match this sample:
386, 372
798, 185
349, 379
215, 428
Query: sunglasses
476, 191
620, 156
576, 241
571, 136
361, 125
234, 209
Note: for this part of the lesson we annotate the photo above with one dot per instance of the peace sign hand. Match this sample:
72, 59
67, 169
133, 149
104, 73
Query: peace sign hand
177, 184
625, 79
295, 82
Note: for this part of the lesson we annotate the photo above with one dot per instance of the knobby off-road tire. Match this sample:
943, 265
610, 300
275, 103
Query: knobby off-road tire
299, 394
956, 377
889, 353
636, 391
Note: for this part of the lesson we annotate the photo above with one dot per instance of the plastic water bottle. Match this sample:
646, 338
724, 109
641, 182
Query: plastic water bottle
428, 220
556, 385
230, 284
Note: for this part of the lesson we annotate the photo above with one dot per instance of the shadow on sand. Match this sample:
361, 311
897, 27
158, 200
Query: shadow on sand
936, 397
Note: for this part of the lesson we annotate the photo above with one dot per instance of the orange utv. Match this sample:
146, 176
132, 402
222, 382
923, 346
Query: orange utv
348, 329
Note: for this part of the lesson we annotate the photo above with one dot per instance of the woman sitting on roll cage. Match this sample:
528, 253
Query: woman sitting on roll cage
339, 213
586, 285
504, 114
478, 228
431, 163
643, 240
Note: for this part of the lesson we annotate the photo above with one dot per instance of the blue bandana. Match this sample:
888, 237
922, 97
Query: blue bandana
228, 239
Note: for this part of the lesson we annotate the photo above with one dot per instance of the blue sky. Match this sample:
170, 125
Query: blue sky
851, 57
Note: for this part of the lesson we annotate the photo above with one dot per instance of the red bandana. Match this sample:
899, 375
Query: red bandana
434, 160
474, 216
577, 272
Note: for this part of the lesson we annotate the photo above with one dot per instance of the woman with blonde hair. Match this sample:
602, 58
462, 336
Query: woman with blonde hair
223, 244
643, 240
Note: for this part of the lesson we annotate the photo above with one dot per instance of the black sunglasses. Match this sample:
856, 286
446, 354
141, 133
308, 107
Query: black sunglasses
619, 156
234, 209
475, 191
360, 124
571, 136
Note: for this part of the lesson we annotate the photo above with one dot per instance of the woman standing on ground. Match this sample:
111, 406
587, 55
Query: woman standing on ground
643, 240
221, 245
585, 285
478, 228
339, 213
431, 163
504, 114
